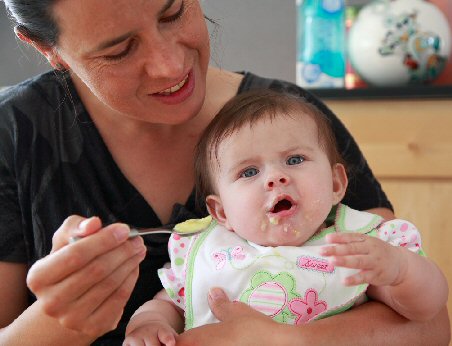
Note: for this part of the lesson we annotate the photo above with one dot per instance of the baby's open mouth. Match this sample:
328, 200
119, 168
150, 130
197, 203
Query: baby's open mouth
282, 205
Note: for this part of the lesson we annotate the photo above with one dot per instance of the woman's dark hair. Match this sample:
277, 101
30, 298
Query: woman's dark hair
33, 19
247, 109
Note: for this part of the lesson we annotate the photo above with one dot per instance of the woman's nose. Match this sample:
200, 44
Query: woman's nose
165, 59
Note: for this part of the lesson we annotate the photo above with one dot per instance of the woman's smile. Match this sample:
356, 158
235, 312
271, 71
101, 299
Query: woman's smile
174, 88
177, 93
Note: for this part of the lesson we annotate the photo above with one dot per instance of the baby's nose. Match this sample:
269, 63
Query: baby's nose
278, 180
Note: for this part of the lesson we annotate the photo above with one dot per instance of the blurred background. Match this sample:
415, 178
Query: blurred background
253, 35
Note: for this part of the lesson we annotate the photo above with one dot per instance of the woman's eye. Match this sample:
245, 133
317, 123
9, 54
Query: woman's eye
295, 160
249, 172
120, 55
174, 17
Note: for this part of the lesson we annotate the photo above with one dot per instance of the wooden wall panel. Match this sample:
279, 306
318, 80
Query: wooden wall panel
427, 203
402, 138
408, 145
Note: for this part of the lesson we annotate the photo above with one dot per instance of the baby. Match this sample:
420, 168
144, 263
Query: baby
280, 240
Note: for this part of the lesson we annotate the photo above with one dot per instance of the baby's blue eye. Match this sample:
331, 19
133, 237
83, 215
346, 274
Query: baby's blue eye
295, 160
249, 172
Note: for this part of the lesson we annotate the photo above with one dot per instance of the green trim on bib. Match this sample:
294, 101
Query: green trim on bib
350, 220
339, 220
200, 238
321, 234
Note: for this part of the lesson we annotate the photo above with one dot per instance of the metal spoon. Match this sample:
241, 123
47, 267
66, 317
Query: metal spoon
169, 229
165, 229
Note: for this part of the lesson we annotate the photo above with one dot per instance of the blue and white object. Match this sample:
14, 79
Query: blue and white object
320, 43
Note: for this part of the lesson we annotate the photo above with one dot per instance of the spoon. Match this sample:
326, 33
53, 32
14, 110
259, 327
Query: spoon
183, 229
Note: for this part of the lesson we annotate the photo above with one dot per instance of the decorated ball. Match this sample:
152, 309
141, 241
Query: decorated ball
399, 42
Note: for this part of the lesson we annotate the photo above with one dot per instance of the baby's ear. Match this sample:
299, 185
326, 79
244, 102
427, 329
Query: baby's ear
340, 182
215, 208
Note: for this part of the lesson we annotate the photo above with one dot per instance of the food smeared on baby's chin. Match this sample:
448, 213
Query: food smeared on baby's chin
272, 220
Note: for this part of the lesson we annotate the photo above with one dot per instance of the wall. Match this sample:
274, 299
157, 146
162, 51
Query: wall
248, 37
17, 61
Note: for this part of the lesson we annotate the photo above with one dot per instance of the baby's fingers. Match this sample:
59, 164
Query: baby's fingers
354, 262
347, 249
357, 279
345, 238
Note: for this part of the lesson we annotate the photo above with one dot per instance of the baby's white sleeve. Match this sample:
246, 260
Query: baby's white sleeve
401, 233
172, 275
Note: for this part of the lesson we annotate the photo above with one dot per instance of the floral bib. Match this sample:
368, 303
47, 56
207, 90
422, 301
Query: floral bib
290, 284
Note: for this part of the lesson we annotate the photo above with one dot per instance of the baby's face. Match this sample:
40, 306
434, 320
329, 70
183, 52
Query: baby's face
275, 183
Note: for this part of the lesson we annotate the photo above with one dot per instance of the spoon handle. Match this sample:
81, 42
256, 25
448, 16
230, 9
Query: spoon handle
135, 232
146, 231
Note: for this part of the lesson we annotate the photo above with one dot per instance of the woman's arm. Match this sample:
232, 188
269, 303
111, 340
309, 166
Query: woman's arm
372, 323
27, 326
81, 288
13, 291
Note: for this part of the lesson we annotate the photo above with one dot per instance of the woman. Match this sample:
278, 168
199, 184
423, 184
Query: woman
111, 139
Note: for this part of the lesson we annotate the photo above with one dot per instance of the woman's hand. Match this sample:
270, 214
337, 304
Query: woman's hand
372, 323
85, 285
240, 325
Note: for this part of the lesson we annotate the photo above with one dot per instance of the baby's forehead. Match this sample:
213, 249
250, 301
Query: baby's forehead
276, 132
269, 119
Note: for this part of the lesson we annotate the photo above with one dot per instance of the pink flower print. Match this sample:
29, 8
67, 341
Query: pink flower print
307, 309
220, 259
270, 298
237, 253
228, 255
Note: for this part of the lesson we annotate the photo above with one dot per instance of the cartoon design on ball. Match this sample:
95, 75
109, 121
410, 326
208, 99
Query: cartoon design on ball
419, 50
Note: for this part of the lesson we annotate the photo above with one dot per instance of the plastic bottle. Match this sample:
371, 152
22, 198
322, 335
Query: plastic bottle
320, 43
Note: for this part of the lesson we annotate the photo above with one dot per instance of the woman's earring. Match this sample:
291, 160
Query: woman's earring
60, 67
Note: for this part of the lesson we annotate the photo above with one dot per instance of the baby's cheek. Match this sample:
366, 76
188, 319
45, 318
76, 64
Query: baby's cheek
248, 226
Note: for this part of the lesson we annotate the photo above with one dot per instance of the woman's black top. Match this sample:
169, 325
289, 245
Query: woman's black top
54, 163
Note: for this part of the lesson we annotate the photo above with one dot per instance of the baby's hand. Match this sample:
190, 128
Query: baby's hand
151, 334
380, 263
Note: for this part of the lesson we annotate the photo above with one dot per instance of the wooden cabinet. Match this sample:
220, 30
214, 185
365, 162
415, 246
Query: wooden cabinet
408, 145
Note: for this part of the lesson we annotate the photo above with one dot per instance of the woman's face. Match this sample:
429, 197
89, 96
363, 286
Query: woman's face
146, 59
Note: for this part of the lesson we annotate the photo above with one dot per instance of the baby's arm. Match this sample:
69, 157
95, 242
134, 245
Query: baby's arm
157, 322
407, 282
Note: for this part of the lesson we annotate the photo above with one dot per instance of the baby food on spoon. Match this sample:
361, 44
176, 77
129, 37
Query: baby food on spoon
193, 225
